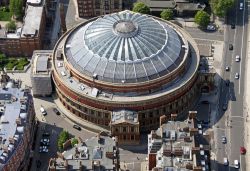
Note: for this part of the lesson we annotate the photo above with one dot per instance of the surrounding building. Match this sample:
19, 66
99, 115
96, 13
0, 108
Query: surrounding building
178, 146
181, 7
91, 8
29, 36
125, 125
97, 153
17, 124
126, 62
41, 72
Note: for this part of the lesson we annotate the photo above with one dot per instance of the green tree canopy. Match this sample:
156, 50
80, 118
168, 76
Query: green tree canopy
220, 7
202, 18
74, 141
63, 137
11, 26
167, 14
141, 8
16, 8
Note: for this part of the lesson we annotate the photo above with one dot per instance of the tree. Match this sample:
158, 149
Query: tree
63, 137
202, 18
141, 8
167, 14
74, 141
11, 26
220, 7
16, 8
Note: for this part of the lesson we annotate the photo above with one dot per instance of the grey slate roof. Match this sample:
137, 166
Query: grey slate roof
124, 47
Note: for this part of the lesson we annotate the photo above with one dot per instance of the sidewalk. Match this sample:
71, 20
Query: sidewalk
246, 104
85, 124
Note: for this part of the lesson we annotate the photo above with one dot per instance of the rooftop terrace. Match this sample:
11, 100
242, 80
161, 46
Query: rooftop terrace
97, 152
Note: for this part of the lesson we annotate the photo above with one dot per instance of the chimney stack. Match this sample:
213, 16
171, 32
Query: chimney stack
192, 114
163, 120
173, 116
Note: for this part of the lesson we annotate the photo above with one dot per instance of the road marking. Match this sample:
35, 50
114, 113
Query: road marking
237, 117
236, 11
211, 40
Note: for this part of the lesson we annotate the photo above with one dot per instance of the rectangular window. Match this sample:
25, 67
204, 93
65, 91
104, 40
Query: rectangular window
99, 114
97, 4
116, 4
124, 129
106, 5
151, 114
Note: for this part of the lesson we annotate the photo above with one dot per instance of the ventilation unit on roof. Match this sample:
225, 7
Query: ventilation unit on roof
172, 135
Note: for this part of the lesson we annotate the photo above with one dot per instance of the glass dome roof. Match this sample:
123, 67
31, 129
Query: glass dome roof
124, 47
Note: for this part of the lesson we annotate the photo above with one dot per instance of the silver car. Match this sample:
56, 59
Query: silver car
237, 76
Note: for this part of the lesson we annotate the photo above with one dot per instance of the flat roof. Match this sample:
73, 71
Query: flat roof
32, 20
93, 149
13, 107
42, 63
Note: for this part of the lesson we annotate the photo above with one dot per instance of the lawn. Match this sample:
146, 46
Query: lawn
18, 63
21, 63
12, 62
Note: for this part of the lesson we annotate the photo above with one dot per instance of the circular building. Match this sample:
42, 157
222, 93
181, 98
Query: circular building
126, 69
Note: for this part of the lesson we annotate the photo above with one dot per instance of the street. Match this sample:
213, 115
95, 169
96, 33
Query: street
230, 123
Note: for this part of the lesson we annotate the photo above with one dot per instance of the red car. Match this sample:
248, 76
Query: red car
243, 150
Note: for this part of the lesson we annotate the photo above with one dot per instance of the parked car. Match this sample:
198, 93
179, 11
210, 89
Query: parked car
205, 102
211, 27
223, 139
199, 126
44, 143
45, 140
56, 111
43, 111
236, 164
237, 58
241, 6
231, 47
77, 127
243, 150
225, 161
43, 150
232, 26
237, 76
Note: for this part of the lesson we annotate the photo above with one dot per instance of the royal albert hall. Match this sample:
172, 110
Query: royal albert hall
126, 62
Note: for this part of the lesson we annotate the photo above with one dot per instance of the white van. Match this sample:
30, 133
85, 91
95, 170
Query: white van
241, 6
43, 111
225, 161
236, 164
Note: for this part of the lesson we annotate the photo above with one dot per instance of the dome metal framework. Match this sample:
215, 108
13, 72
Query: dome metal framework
124, 47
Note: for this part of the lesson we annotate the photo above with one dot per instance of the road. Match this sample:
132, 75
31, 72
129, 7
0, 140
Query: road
231, 122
